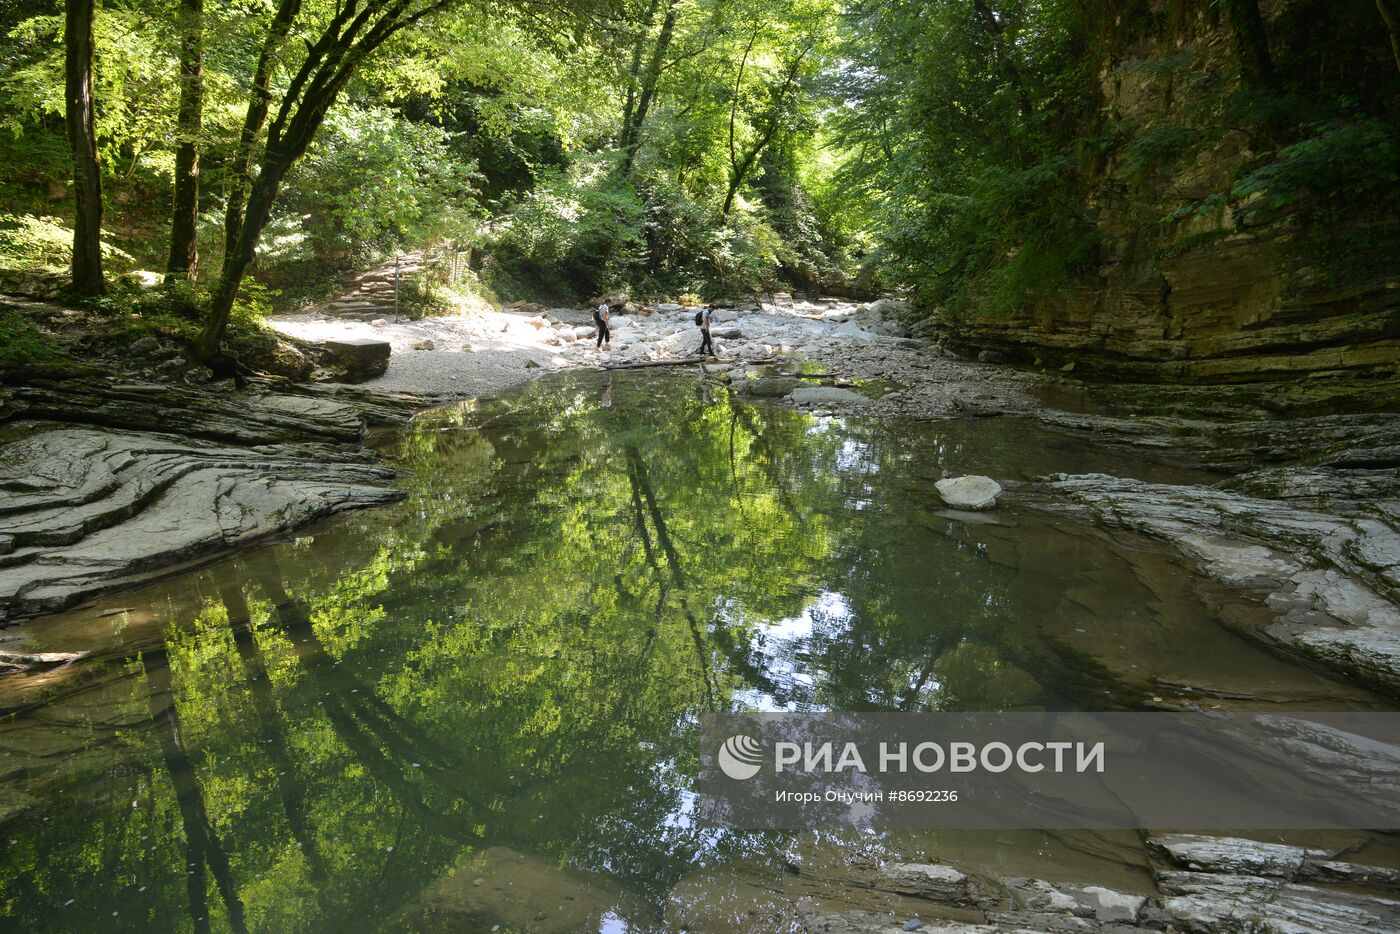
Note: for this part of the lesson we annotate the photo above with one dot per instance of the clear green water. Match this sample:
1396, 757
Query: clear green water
481, 700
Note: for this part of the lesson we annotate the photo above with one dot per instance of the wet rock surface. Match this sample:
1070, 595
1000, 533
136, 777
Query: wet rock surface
87, 511
1198, 884
107, 482
1331, 579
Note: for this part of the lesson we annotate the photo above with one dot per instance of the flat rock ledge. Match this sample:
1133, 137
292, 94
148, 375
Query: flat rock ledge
85, 510
1203, 885
1323, 549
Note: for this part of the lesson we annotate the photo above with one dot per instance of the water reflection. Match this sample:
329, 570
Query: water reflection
477, 707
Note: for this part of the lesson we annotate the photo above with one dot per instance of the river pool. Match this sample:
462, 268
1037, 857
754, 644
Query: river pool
479, 705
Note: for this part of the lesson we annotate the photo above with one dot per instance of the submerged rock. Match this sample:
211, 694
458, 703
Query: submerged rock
826, 396
502, 889
971, 492
772, 386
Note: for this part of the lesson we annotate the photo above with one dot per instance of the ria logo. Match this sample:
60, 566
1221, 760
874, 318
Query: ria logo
740, 757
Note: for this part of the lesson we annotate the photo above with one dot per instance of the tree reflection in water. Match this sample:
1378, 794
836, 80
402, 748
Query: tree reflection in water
512, 660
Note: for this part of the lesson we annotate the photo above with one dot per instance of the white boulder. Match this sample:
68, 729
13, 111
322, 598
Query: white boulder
970, 492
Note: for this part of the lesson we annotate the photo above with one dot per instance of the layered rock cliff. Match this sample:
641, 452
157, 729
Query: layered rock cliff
1209, 269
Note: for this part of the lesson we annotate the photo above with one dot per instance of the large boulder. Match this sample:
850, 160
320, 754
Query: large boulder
355, 360
971, 492
852, 329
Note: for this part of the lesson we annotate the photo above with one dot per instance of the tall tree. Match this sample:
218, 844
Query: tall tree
184, 254
82, 142
260, 101
742, 159
355, 31
634, 69
632, 132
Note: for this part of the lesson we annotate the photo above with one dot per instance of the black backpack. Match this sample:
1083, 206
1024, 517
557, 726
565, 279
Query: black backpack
699, 317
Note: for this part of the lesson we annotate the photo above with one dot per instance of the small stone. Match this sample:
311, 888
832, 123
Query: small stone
913, 924
378, 322
424, 344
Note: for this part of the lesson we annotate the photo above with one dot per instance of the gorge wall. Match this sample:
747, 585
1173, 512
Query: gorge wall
1200, 278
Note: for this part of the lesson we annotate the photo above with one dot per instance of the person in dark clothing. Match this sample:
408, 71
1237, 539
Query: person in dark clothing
600, 318
707, 346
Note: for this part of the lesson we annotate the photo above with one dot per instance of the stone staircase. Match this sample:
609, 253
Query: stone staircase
371, 293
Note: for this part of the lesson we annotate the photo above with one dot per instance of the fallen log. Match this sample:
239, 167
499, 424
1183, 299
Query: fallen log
684, 361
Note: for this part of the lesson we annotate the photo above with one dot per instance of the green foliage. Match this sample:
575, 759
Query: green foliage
1339, 164
29, 241
373, 183
21, 343
574, 235
964, 151
968, 142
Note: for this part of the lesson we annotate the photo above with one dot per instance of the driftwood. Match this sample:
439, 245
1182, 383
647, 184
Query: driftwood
684, 361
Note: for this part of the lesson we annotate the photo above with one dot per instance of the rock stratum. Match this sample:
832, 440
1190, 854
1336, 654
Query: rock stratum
1187, 285
1199, 884
107, 484
1320, 546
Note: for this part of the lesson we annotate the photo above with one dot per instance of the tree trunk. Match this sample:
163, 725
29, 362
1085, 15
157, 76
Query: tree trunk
253, 122
1392, 26
237, 261
736, 178
648, 88
634, 70
82, 142
184, 253
1253, 42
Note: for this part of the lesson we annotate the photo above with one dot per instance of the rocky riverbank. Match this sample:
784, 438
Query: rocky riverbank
1182, 883
1197, 884
109, 482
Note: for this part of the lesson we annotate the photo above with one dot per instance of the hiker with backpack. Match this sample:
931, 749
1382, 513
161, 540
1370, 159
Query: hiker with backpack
600, 318
703, 318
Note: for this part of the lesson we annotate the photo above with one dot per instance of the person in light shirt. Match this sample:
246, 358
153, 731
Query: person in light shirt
600, 318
